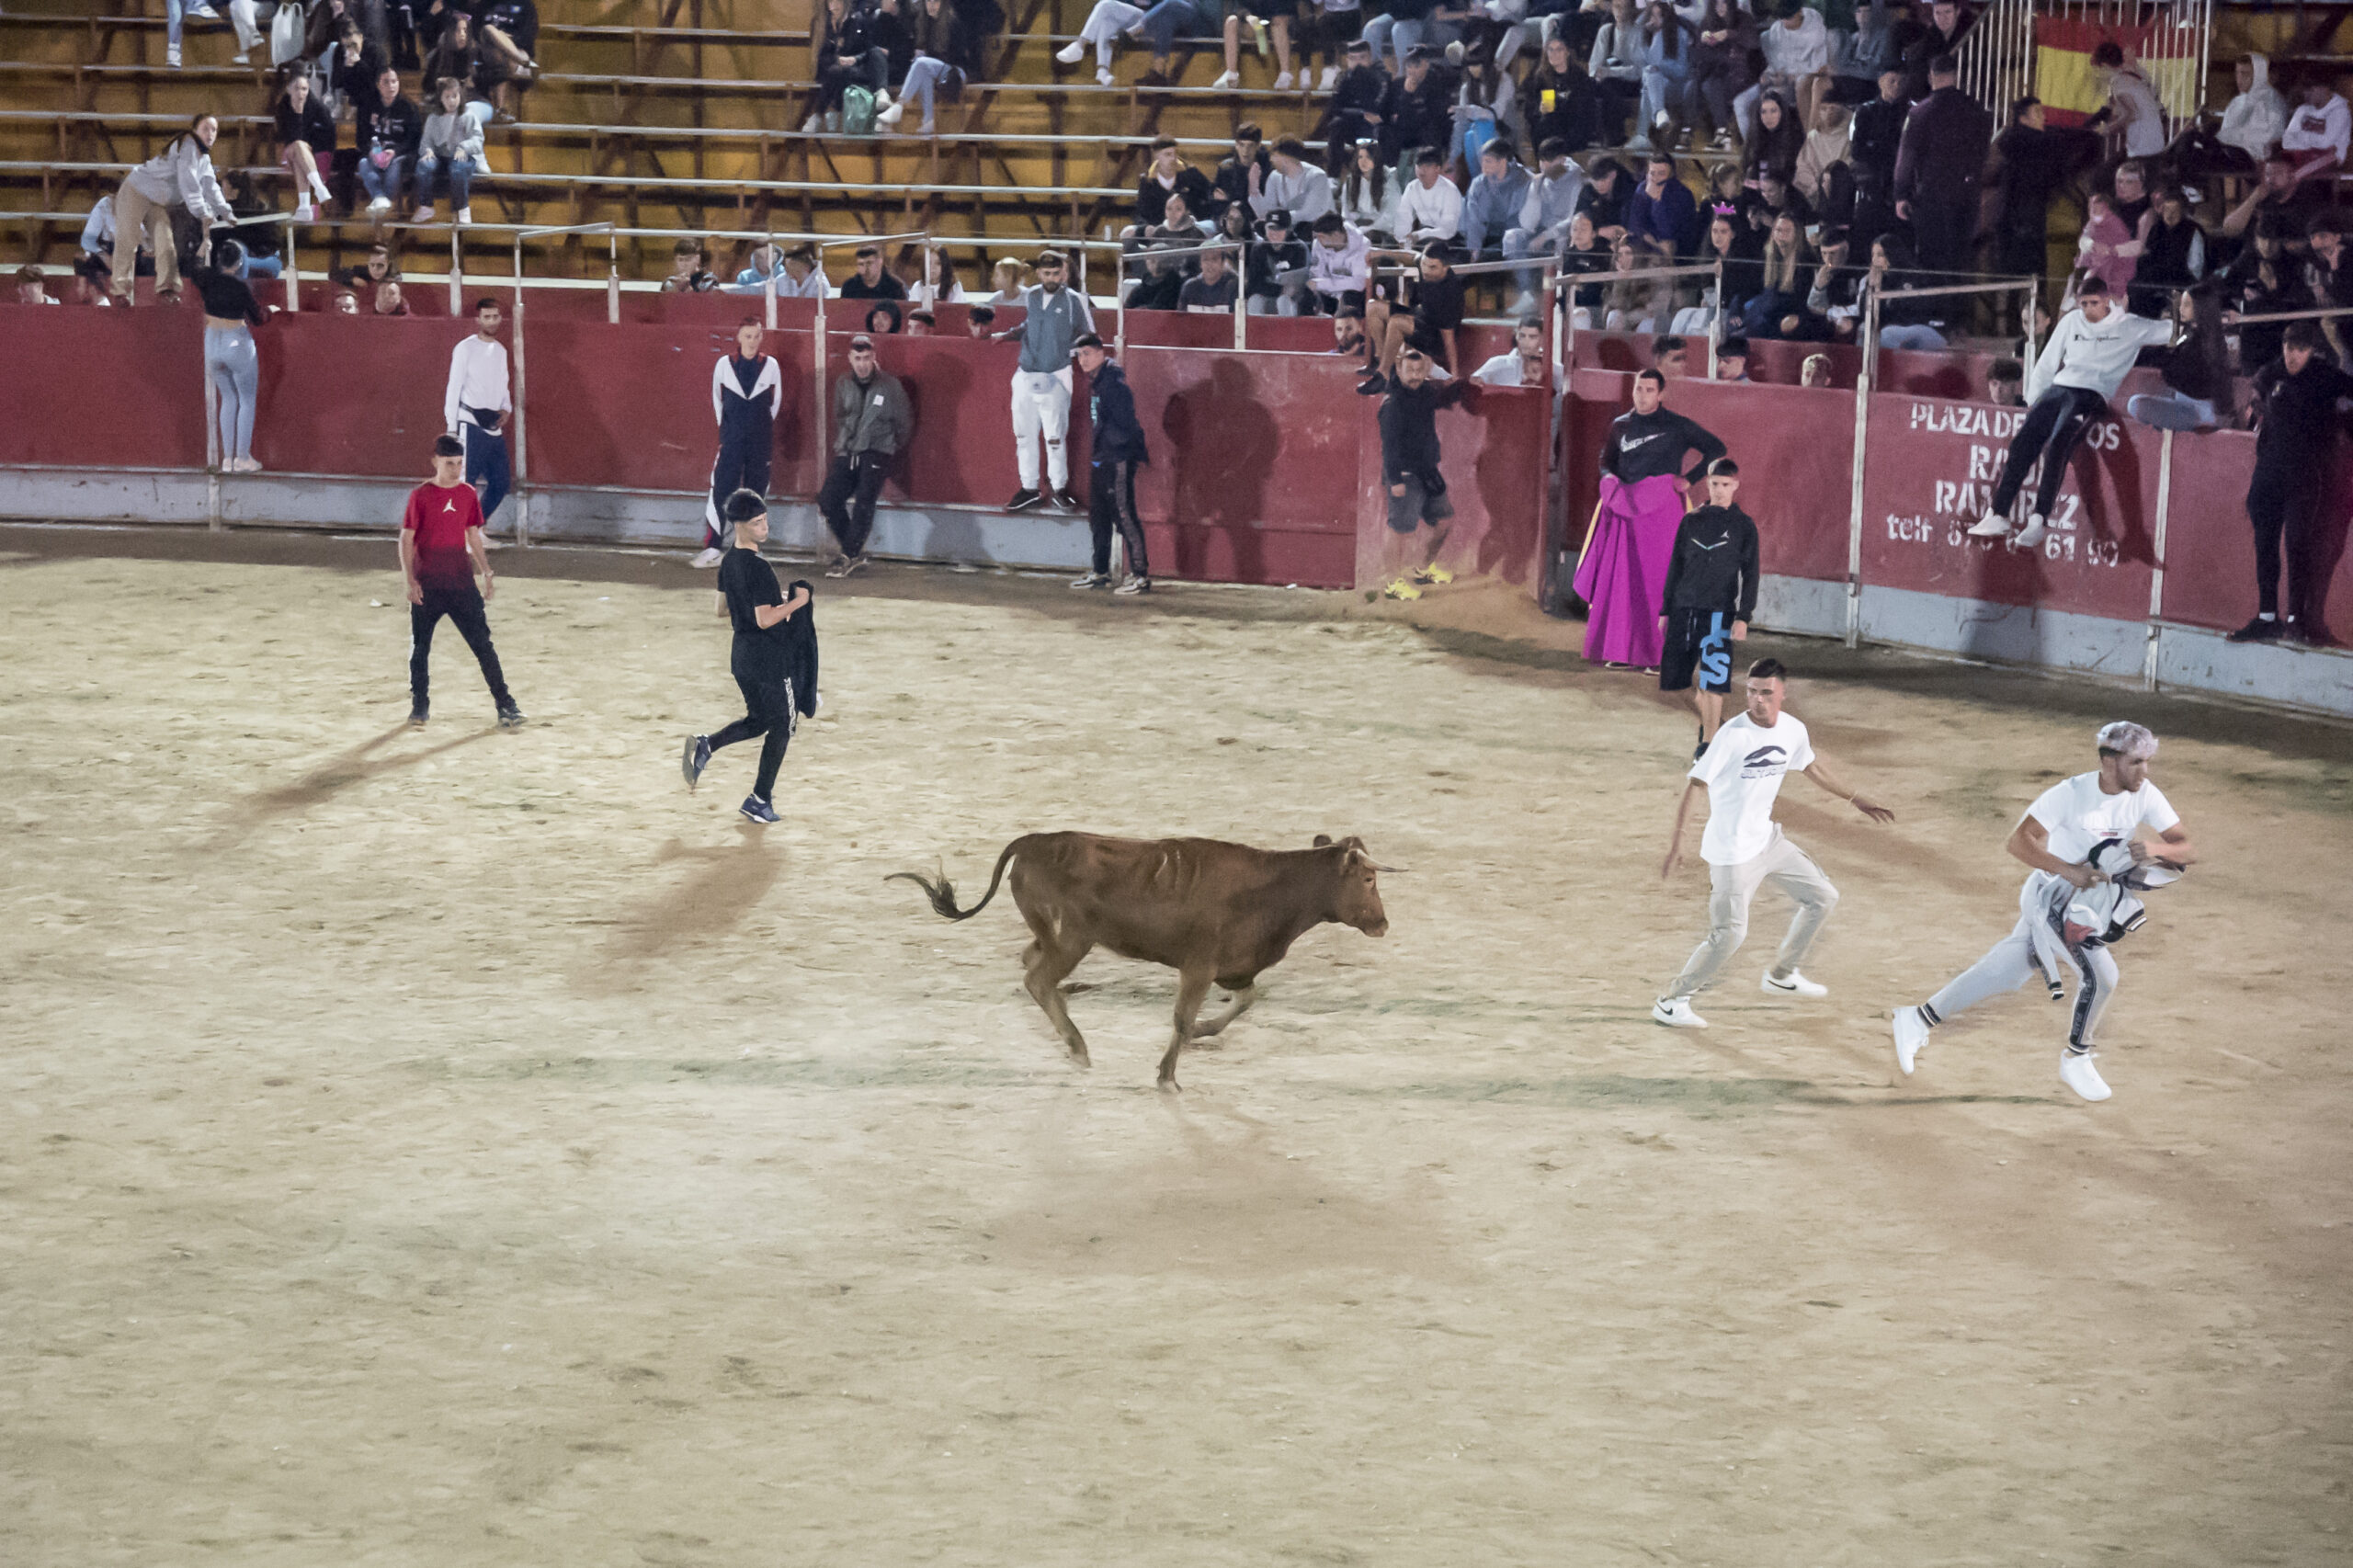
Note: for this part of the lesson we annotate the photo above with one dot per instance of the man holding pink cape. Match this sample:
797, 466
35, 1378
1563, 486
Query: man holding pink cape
1622, 574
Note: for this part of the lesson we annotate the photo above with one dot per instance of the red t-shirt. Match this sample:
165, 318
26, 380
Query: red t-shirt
439, 515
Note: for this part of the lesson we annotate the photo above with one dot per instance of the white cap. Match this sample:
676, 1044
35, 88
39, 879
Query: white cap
2129, 740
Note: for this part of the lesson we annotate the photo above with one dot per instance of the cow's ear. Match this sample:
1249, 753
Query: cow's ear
1323, 841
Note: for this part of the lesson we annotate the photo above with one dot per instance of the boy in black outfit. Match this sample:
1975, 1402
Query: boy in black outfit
1414, 491
1119, 451
1711, 592
774, 659
2298, 394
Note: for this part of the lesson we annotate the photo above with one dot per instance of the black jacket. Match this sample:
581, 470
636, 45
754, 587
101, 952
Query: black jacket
1409, 428
1231, 183
395, 126
1943, 154
1152, 197
1872, 145
2299, 415
313, 125
1423, 118
1644, 446
1714, 563
1111, 407
1268, 258
1360, 91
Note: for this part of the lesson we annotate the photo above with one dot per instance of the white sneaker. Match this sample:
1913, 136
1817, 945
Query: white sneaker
201, 11
1102, 77
172, 55
1992, 525
1330, 79
1228, 79
710, 557
1071, 53
1282, 82
1911, 1034
883, 98
422, 215
2075, 1071
1795, 985
304, 212
1676, 1013
2032, 535
893, 115
382, 204
811, 126
465, 216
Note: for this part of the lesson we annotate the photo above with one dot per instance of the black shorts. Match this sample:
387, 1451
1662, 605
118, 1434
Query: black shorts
1699, 646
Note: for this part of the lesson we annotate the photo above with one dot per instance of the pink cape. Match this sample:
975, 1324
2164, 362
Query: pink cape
1622, 574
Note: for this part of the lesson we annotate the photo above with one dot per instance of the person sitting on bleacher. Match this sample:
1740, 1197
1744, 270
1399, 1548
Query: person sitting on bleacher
939, 66
1493, 203
1542, 221
31, 287
845, 57
1168, 176
1276, 279
1339, 266
353, 69
871, 280
459, 57
386, 132
1428, 207
1420, 108
98, 241
1213, 291
305, 141
510, 35
1240, 174
1160, 283
690, 271
1296, 185
1354, 115
2317, 133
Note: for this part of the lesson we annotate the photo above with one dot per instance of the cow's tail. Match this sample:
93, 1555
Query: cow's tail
942, 894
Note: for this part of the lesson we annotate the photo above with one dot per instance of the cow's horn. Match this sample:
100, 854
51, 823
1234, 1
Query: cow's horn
1392, 870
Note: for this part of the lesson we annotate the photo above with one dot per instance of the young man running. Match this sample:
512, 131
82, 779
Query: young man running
475, 404
1742, 770
774, 659
2057, 838
441, 550
1111, 482
1711, 592
1052, 318
746, 391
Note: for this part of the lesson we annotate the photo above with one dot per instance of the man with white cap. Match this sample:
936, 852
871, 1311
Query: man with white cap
2081, 839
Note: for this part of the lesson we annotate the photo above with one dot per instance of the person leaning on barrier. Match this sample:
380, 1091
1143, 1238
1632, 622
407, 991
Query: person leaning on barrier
1119, 449
872, 424
31, 287
1525, 365
1425, 310
1054, 315
1275, 278
179, 178
2298, 399
1213, 292
872, 280
690, 270
1339, 267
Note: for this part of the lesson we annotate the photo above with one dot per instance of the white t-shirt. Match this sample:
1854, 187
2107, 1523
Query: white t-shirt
1742, 768
2076, 815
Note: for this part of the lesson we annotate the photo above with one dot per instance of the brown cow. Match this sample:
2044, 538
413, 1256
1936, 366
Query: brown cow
1210, 910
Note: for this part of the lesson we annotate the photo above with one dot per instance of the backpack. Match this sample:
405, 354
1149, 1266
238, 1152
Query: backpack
858, 111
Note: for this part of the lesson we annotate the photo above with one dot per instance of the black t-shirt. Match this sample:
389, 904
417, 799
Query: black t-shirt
1438, 304
749, 581
887, 287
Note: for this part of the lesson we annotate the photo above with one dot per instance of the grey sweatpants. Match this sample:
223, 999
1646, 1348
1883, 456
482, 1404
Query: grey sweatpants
2010, 964
1785, 866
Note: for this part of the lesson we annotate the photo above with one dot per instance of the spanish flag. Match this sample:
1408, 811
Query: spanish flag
2069, 89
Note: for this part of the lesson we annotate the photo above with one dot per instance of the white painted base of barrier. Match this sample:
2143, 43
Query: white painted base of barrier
2318, 680
958, 535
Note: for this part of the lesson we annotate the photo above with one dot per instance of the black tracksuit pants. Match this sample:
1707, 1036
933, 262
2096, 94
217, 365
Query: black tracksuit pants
847, 498
768, 708
1111, 503
2281, 501
2055, 426
746, 450
464, 607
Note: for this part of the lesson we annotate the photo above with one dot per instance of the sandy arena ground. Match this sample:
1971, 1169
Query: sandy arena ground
458, 1147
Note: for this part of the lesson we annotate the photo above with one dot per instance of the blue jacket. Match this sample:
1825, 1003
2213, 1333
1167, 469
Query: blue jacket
1671, 219
1119, 435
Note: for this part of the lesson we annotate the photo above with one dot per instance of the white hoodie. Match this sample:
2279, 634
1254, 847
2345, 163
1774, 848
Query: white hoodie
2256, 118
2094, 354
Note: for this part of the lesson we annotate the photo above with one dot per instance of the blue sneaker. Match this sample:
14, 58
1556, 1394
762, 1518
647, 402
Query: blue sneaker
697, 758
756, 809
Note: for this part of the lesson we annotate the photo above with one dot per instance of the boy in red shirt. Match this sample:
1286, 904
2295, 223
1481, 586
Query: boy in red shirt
441, 550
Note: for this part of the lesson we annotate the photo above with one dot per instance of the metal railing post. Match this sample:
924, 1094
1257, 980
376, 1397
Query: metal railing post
212, 455
776, 265
1863, 384
2157, 571
522, 422
613, 280
456, 275
1716, 321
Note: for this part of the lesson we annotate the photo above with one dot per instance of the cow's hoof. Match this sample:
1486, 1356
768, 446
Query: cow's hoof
1170, 1085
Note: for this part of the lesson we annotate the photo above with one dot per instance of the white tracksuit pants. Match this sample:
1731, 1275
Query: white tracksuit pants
1041, 407
1730, 888
2009, 964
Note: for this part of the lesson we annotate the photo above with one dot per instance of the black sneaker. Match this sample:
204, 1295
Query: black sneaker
1023, 499
509, 716
697, 758
1066, 501
855, 565
758, 811
2262, 628
418, 712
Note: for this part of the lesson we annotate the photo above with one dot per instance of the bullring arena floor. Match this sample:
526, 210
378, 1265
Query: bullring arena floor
459, 1147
